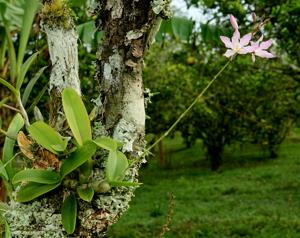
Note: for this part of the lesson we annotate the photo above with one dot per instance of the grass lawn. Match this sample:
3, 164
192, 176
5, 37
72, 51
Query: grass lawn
250, 197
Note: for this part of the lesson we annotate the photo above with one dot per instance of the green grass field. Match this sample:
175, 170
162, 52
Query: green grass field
250, 197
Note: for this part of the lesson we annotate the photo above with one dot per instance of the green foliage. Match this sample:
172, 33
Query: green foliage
116, 166
18, 69
47, 137
37, 175
69, 213
33, 190
30, 9
179, 28
106, 143
31, 84
8, 149
9, 86
77, 116
24, 68
78, 158
85, 194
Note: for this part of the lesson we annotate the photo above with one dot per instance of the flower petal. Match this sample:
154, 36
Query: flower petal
264, 54
253, 57
234, 22
229, 53
235, 38
250, 49
265, 44
243, 51
245, 39
226, 41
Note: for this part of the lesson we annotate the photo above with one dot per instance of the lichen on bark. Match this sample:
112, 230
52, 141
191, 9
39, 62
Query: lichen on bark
57, 23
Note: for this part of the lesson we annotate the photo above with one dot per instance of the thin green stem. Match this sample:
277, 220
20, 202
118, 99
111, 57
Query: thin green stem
22, 109
188, 108
11, 108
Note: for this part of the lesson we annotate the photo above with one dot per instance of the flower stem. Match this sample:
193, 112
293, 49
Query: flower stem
188, 108
11, 108
22, 109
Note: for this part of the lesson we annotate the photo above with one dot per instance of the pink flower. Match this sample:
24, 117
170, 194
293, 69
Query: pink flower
234, 22
236, 45
259, 48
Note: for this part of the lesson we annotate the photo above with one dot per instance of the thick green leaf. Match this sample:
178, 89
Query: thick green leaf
33, 190
3, 173
87, 168
30, 85
85, 194
116, 166
76, 115
78, 158
37, 176
24, 68
123, 183
106, 143
30, 9
8, 149
69, 213
47, 137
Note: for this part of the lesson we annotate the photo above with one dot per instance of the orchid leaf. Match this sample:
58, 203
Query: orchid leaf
37, 98
33, 190
37, 176
3, 173
24, 68
85, 194
9, 86
11, 52
30, 85
106, 143
76, 115
69, 213
116, 166
78, 158
30, 9
8, 149
47, 137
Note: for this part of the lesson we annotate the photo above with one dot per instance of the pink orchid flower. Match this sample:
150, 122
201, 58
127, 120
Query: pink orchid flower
236, 45
259, 48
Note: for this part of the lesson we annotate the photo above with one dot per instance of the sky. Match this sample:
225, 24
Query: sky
194, 13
